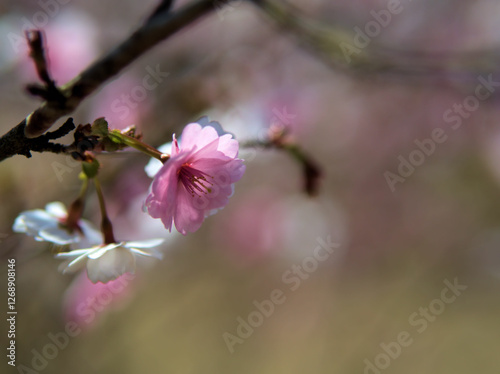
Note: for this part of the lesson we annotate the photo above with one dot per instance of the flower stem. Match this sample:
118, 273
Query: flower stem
76, 208
137, 144
106, 226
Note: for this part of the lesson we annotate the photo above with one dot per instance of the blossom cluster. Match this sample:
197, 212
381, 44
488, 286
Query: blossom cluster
192, 182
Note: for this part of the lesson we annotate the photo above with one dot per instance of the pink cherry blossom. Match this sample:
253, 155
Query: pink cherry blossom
197, 179
84, 302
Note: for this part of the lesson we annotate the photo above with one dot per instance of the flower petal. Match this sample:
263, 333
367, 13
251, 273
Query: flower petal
144, 243
195, 137
205, 121
228, 146
74, 253
71, 267
101, 250
75, 265
111, 265
56, 209
161, 202
189, 211
58, 235
32, 221
153, 253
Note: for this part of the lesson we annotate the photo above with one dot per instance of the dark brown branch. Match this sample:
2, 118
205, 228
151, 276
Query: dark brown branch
310, 169
65, 129
163, 7
15, 143
49, 90
37, 53
157, 28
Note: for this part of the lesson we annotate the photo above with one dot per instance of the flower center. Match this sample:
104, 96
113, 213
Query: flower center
195, 181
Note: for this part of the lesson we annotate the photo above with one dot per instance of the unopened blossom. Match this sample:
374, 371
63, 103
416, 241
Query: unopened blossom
106, 262
49, 225
196, 180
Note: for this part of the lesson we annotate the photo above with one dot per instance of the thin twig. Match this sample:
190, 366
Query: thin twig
156, 29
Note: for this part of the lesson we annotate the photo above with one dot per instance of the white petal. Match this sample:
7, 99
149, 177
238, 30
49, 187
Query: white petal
56, 209
34, 221
74, 253
58, 235
100, 251
111, 265
19, 225
75, 265
153, 253
150, 243
67, 268
63, 265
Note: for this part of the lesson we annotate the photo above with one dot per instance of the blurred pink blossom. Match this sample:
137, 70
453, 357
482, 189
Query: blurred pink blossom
85, 301
197, 180
253, 229
268, 224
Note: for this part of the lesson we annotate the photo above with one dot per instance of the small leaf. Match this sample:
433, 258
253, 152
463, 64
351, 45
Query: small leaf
100, 127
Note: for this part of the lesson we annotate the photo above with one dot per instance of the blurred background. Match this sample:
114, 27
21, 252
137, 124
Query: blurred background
402, 234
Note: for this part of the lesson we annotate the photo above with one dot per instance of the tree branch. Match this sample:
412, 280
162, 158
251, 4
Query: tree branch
161, 26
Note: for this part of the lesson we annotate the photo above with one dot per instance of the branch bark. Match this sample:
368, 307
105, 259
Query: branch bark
23, 138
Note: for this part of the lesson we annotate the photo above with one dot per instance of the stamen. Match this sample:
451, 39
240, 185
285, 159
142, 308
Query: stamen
195, 181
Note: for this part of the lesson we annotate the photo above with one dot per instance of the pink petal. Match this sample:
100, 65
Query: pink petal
194, 136
219, 197
224, 171
228, 146
175, 147
207, 151
188, 214
84, 301
162, 199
